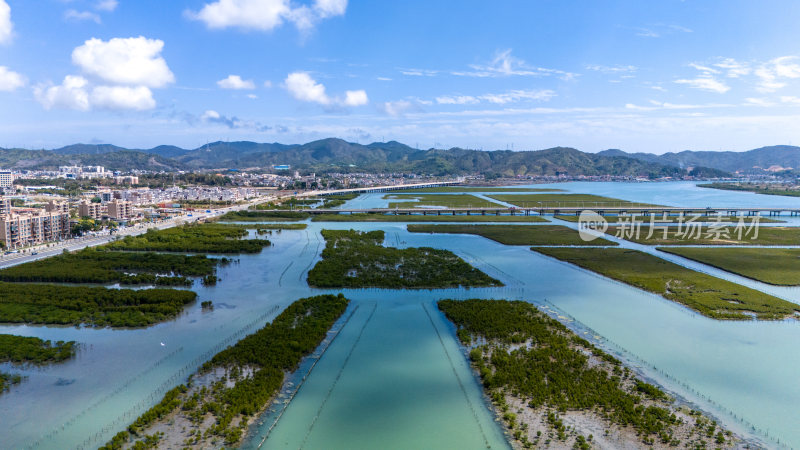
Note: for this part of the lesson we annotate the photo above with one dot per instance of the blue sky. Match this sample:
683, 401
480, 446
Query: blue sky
654, 76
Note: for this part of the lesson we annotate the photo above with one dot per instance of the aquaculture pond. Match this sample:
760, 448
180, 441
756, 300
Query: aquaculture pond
395, 373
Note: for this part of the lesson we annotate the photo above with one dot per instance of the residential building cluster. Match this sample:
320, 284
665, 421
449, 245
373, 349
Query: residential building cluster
20, 227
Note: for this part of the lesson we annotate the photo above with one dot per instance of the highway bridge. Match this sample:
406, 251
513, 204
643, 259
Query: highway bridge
569, 210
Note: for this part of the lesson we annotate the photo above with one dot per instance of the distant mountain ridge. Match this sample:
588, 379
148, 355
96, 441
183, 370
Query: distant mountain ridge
327, 155
752, 161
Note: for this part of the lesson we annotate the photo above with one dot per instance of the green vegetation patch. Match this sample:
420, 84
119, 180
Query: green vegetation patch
260, 216
500, 189
519, 350
335, 201
22, 349
587, 201
94, 306
515, 234
7, 380
422, 218
710, 296
779, 266
93, 265
763, 188
440, 200
199, 238
357, 259
696, 234
276, 226
255, 369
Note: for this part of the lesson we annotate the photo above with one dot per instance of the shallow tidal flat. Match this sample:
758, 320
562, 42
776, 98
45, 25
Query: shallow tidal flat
777, 266
710, 296
438, 200
749, 234
515, 234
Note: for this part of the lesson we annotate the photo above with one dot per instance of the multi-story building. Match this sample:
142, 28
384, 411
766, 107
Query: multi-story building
54, 206
5, 205
91, 210
6, 178
120, 210
30, 227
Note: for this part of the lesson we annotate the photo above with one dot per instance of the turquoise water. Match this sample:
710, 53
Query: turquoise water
395, 386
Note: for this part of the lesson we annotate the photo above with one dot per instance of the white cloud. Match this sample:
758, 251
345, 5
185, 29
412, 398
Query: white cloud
790, 99
774, 74
330, 8
210, 115
457, 100
499, 99
304, 88
236, 82
6, 27
759, 101
384, 79
734, 69
9, 80
356, 98
706, 83
138, 98
129, 61
79, 16
504, 65
74, 93
614, 70
106, 5
268, 84
704, 69
266, 15
71, 94
518, 95
419, 72
396, 109
252, 96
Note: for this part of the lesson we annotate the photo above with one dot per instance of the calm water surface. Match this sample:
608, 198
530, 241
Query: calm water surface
395, 377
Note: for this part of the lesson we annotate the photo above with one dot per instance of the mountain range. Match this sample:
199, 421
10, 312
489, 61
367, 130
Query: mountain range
336, 155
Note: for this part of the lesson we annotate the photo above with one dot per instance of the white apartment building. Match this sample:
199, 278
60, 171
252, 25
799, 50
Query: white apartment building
6, 178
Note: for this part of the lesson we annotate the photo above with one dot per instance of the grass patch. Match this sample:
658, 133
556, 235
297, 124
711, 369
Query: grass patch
515, 234
454, 189
710, 296
730, 235
521, 352
255, 368
23, 349
588, 201
260, 216
365, 217
200, 238
765, 188
778, 266
275, 226
94, 265
94, 306
440, 200
357, 259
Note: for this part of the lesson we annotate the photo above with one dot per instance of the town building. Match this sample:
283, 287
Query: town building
5, 205
120, 210
6, 178
91, 210
33, 226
